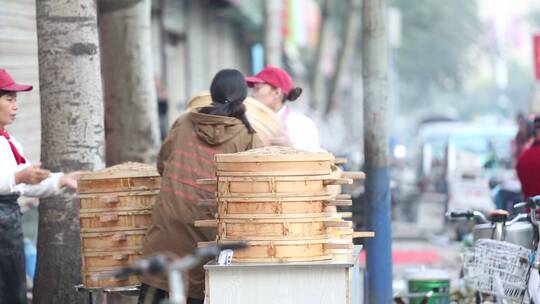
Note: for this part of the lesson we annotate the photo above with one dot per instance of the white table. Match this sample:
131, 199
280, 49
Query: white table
278, 283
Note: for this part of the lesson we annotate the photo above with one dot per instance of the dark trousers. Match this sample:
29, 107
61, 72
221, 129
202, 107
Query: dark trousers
156, 296
12, 271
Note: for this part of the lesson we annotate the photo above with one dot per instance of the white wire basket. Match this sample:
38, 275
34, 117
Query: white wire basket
498, 268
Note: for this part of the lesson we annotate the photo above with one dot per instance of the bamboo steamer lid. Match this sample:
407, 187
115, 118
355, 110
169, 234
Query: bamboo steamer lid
124, 177
129, 169
275, 154
262, 119
274, 161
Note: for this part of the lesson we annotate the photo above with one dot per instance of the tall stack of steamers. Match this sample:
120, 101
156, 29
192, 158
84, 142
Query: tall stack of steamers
116, 211
280, 201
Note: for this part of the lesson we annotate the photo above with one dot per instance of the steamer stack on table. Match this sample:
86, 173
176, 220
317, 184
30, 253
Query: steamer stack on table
277, 199
116, 211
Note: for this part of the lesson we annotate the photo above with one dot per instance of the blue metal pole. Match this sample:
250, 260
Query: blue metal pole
378, 219
379, 248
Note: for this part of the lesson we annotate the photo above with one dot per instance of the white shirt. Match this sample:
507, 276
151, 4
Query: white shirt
301, 130
8, 167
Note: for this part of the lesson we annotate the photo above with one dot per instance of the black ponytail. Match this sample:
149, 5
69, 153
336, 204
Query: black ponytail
228, 91
294, 94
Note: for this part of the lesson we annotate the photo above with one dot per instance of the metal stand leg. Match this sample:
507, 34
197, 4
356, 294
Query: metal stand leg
105, 295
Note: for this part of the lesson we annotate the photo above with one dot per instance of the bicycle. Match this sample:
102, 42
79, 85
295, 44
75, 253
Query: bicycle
499, 263
174, 267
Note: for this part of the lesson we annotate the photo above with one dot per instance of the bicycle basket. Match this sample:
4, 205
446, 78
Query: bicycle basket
497, 268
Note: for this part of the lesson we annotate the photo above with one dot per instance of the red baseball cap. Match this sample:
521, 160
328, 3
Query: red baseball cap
274, 76
8, 84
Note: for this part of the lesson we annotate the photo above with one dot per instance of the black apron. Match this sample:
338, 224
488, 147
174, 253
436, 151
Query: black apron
12, 269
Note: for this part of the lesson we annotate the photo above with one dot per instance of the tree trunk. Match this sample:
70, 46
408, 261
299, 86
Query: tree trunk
72, 135
349, 42
272, 33
131, 117
316, 83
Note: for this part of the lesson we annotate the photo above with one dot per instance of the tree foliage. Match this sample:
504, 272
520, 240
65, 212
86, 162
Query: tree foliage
437, 37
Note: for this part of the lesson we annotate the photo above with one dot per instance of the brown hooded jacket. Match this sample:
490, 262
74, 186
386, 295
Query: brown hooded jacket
187, 155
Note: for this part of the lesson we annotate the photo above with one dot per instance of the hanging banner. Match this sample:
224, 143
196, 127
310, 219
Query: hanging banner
536, 55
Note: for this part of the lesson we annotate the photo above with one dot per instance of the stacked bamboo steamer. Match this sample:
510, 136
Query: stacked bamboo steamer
115, 213
276, 198
262, 119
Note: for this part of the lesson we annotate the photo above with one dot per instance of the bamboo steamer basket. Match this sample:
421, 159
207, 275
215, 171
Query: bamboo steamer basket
274, 186
268, 230
278, 227
262, 119
96, 241
274, 161
122, 200
231, 206
116, 208
282, 251
311, 226
103, 221
113, 258
272, 206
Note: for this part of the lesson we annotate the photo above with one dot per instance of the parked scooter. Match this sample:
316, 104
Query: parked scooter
505, 191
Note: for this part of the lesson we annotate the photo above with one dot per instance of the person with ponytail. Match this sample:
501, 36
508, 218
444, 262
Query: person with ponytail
187, 154
274, 87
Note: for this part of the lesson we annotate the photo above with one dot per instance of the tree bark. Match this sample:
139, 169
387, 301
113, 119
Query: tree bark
272, 33
131, 117
349, 42
72, 135
316, 82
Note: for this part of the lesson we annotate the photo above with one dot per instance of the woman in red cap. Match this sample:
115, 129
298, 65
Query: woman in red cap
273, 87
18, 178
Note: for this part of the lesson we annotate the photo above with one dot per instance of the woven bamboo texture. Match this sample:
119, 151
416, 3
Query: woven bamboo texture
115, 213
283, 202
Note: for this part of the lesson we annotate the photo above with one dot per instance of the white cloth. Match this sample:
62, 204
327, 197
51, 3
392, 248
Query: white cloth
301, 130
8, 168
